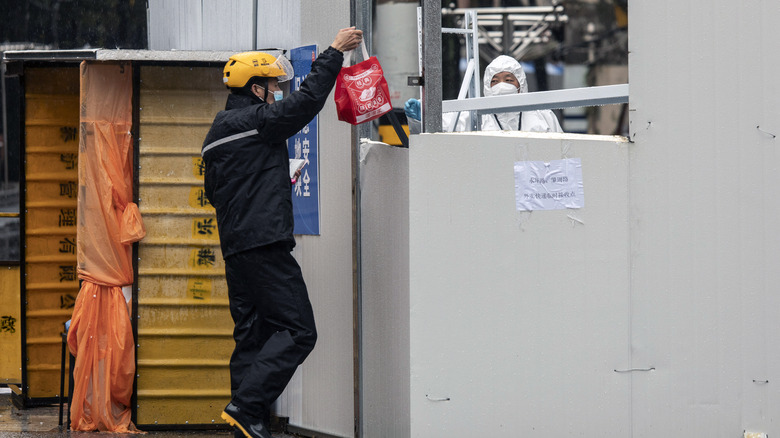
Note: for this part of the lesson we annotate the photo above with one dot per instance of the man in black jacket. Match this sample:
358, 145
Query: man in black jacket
247, 181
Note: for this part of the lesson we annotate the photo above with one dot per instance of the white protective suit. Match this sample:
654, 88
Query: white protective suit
537, 120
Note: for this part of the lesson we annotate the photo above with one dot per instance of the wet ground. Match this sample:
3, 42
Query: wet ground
43, 422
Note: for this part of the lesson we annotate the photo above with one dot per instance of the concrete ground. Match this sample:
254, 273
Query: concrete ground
43, 422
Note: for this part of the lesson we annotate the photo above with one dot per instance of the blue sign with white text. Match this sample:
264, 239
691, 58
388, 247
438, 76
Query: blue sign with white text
303, 145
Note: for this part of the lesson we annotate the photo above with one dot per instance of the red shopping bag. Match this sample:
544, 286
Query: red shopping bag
361, 91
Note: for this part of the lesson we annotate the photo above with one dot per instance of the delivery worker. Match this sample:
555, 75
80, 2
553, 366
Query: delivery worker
247, 181
504, 75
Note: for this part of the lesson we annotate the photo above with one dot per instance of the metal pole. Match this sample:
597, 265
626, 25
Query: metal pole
475, 50
432, 90
5, 123
476, 80
508, 31
360, 17
254, 25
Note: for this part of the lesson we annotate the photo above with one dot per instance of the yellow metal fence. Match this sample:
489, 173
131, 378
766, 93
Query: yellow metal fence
184, 324
50, 194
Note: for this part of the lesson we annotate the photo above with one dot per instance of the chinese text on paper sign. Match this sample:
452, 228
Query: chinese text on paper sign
551, 185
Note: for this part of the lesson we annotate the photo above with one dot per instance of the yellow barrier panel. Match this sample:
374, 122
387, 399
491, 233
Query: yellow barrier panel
184, 325
10, 330
388, 135
51, 190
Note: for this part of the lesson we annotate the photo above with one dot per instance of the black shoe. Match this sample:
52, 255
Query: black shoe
251, 428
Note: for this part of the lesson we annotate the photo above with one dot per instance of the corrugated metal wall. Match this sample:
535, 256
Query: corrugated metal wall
184, 325
50, 195
236, 25
704, 201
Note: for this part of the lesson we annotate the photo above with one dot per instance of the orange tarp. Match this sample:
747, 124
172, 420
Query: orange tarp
100, 334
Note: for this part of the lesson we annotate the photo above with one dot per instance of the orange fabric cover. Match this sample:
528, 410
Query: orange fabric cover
101, 335
101, 338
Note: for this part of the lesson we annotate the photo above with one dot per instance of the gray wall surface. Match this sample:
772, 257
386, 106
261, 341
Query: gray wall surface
236, 25
704, 198
483, 320
201, 25
517, 319
328, 374
384, 186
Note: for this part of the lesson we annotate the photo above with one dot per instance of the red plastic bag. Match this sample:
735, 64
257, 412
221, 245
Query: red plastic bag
362, 94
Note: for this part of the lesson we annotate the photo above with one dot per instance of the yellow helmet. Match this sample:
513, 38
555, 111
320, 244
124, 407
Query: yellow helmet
243, 66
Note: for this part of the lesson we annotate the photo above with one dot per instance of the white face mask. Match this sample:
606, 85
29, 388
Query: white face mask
503, 88
278, 95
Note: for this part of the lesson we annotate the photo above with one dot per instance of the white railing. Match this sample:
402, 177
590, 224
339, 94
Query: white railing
568, 98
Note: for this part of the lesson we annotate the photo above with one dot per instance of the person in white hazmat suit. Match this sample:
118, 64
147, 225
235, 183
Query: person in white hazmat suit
502, 76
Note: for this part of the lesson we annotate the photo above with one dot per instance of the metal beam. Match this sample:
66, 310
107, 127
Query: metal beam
509, 10
50, 55
359, 16
431, 51
573, 97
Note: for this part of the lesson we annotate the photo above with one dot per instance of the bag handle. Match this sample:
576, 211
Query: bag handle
348, 56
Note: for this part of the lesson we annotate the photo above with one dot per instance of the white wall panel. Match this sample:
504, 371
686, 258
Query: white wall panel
704, 193
201, 25
327, 375
384, 186
517, 319
280, 24
505, 322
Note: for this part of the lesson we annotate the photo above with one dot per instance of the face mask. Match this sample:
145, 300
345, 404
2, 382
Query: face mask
503, 88
278, 95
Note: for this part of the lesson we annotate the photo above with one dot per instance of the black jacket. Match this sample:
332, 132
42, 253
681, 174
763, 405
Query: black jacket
247, 169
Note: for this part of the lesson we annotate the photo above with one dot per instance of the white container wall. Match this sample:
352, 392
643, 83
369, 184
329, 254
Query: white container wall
516, 320
653, 311
705, 195
384, 185
328, 378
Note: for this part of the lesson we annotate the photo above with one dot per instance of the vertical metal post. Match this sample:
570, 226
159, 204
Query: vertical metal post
472, 50
254, 25
475, 51
432, 89
5, 123
508, 34
136, 134
360, 17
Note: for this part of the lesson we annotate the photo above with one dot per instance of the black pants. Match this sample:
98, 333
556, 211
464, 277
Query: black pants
274, 325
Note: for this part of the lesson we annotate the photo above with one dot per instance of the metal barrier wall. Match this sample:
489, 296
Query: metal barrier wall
475, 309
50, 284
184, 323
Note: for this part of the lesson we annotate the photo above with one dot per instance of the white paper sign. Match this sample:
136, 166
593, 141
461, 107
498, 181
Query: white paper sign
553, 185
